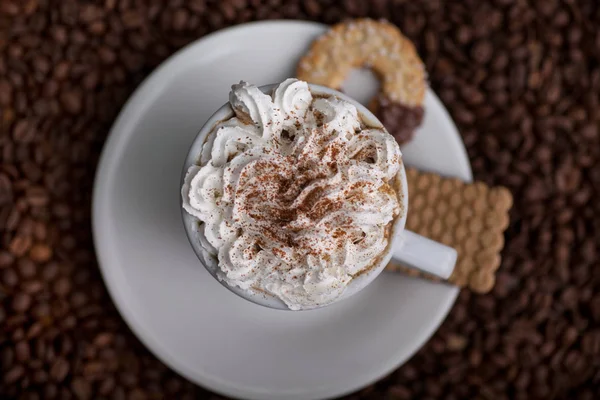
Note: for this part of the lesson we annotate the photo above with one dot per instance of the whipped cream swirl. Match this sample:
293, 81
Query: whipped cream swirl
295, 194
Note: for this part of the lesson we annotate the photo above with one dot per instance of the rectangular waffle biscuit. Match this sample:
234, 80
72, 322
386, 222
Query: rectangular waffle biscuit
470, 217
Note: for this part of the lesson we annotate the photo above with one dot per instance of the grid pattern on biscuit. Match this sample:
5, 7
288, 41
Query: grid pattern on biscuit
378, 45
471, 217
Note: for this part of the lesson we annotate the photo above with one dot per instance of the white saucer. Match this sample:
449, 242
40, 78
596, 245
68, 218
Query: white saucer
184, 316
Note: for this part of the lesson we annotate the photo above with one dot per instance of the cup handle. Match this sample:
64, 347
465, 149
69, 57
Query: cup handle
419, 252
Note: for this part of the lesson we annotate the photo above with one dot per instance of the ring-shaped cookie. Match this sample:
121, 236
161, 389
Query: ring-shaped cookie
380, 46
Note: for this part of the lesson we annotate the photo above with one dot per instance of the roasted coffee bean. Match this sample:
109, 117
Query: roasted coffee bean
21, 302
62, 287
40, 253
22, 351
59, 369
10, 278
20, 245
103, 339
27, 268
14, 374
81, 389
32, 287
50, 271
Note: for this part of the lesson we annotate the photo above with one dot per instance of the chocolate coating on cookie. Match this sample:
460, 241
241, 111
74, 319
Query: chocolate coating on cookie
400, 120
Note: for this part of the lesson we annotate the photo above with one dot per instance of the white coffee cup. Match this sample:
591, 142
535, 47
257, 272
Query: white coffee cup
405, 247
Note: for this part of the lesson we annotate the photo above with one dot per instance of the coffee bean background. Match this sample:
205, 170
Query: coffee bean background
521, 78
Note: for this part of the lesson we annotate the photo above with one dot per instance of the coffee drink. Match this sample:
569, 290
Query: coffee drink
296, 194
